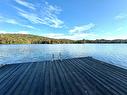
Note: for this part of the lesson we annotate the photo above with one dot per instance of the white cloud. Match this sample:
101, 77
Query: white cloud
28, 26
46, 15
13, 32
31, 17
26, 4
77, 33
79, 36
121, 16
13, 21
82, 28
54, 35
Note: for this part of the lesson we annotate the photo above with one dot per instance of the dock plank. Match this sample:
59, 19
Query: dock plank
76, 76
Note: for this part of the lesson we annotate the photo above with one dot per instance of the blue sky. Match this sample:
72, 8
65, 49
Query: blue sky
70, 19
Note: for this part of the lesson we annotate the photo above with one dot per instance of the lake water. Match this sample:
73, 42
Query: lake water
112, 53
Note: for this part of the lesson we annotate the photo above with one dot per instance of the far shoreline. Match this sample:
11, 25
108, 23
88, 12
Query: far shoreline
63, 44
34, 39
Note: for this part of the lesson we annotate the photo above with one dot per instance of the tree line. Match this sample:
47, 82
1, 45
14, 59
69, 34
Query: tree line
33, 39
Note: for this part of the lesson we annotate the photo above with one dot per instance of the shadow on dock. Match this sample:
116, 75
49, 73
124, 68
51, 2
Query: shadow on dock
76, 76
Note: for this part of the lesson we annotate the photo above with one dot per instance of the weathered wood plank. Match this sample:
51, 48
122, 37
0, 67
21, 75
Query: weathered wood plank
76, 76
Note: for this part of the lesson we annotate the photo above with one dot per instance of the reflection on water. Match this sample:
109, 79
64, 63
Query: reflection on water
113, 53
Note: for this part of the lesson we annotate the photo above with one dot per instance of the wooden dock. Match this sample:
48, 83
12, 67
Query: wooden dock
77, 76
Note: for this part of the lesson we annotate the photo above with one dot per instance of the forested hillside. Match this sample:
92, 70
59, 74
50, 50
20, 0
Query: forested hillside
29, 39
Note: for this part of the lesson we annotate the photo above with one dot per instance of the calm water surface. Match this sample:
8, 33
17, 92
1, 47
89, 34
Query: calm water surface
113, 53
